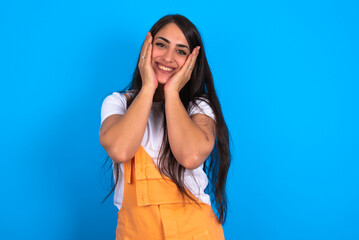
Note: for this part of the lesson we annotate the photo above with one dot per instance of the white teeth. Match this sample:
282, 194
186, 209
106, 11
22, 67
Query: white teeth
165, 68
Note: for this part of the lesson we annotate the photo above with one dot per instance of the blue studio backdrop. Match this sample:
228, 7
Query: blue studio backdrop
286, 73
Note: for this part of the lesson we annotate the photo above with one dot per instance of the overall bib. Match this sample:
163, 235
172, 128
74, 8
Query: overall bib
153, 208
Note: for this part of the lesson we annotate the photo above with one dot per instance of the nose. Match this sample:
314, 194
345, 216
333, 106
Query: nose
168, 55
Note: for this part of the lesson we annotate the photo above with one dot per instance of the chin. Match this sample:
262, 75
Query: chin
162, 80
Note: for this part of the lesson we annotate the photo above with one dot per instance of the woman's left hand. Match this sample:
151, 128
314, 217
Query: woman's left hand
179, 79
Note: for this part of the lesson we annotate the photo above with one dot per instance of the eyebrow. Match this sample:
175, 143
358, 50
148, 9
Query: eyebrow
178, 45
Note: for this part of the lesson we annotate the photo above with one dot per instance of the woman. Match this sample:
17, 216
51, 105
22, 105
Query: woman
159, 135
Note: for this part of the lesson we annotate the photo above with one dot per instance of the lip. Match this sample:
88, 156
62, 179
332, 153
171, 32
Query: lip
163, 71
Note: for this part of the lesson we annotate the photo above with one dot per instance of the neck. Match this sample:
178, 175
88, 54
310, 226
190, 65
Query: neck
159, 94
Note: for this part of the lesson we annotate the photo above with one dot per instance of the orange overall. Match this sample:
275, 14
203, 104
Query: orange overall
153, 209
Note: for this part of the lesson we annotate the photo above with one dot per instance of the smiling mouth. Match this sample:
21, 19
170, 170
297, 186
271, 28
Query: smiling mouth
164, 68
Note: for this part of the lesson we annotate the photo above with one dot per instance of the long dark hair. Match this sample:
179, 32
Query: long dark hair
200, 86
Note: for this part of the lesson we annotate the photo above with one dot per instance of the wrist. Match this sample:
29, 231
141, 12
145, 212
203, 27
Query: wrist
171, 94
148, 90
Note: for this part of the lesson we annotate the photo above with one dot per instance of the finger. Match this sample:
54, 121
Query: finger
143, 51
187, 63
144, 47
195, 53
193, 58
148, 53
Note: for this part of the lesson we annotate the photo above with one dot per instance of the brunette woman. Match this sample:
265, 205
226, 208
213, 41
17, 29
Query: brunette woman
167, 138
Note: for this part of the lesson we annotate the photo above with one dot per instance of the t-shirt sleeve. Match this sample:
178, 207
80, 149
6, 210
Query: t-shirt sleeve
116, 103
203, 108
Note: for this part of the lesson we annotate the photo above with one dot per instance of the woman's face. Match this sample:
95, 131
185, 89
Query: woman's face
169, 53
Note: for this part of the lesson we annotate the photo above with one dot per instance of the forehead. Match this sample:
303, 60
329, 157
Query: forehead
172, 33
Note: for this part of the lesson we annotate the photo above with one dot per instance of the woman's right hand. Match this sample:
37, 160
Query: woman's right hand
144, 64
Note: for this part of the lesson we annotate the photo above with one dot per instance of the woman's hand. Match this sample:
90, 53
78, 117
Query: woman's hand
179, 80
148, 76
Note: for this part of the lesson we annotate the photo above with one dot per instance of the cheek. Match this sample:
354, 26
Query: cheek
181, 62
154, 54
153, 57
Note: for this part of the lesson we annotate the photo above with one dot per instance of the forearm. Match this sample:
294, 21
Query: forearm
185, 137
123, 138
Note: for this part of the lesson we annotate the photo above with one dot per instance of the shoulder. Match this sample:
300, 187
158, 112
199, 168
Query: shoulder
114, 97
115, 103
201, 105
119, 98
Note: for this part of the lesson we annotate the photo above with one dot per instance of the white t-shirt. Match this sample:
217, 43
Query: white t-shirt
195, 180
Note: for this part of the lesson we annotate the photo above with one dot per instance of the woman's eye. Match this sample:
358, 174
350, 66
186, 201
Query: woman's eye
181, 52
160, 44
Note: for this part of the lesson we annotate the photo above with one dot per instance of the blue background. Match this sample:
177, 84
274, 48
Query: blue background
286, 73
